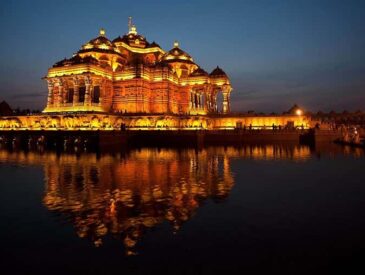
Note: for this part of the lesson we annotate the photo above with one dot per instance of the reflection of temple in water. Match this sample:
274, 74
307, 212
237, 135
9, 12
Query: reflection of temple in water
125, 195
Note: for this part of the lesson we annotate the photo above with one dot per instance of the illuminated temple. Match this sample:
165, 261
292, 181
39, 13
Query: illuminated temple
133, 83
131, 75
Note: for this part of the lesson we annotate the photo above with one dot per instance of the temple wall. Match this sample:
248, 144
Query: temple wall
115, 122
260, 122
136, 89
141, 96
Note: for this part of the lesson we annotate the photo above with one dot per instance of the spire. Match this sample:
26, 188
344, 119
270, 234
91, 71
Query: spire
131, 28
176, 44
129, 23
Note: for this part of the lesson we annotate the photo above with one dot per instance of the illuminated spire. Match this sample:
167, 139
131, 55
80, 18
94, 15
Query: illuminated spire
131, 28
176, 44
129, 23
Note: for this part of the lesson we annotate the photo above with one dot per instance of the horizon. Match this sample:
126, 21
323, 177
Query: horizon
311, 55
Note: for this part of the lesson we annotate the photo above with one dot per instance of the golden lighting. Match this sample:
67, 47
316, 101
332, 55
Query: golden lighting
196, 120
101, 87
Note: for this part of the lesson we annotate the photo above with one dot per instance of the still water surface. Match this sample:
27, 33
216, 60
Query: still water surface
251, 209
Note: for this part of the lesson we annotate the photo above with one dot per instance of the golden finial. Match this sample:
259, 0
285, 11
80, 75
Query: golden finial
102, 32
131, 28
129, 23
176, 44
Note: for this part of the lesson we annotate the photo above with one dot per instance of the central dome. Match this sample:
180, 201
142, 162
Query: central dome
133, 40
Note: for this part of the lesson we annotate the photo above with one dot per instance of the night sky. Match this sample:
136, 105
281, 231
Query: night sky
276, 53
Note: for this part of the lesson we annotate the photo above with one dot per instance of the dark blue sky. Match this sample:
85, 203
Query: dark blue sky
276, 53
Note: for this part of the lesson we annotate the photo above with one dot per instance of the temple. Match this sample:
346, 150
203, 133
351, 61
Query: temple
133, 84
131, 75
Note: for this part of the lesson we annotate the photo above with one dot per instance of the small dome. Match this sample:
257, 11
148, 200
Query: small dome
99, 42
177, 55
76, 59
154, 44
199, 72
217, 72
120, 39
295, 110
5, 109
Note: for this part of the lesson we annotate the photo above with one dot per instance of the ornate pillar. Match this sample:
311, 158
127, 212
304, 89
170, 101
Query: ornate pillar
88, 87
214, 107
60, 93
50, 93
207, 101
76, 83
226, 90
102, 85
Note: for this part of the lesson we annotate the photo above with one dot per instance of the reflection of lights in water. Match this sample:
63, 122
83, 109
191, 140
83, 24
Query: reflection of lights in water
126, 198
127, 195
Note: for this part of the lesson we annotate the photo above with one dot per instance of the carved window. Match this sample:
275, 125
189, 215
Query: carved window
82, 91
70, 95
96, 94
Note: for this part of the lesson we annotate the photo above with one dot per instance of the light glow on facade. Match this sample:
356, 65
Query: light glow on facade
131, 83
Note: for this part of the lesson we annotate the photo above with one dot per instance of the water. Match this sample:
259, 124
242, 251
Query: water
276, 208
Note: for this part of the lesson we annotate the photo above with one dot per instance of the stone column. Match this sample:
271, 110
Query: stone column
60, 93
214, 107
207, 101
75, 100
88, 87
50, 94
226, 99
103, 83
101, 88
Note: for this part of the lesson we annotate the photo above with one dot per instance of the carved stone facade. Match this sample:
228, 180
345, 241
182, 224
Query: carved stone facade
95, 121
130, 75
129, 83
